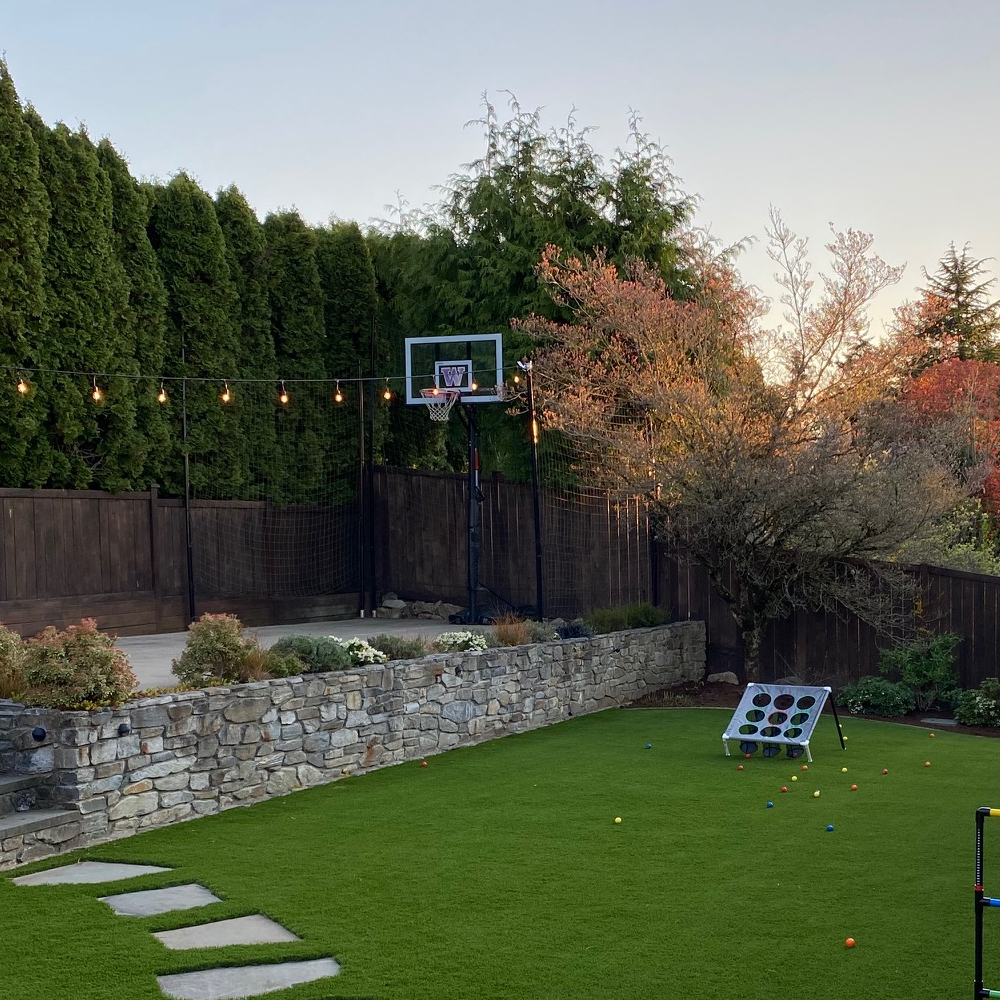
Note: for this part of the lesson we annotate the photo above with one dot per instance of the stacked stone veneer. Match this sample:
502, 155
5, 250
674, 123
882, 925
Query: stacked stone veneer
194, 753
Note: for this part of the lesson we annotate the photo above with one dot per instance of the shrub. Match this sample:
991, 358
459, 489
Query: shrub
510, 630
214, 652
926, 667
982, 707
361, 652
459, 642
78, 668
400, 647
541, 631
11, 664
875, 695
626, 616
578, 629
314, 653
259, 664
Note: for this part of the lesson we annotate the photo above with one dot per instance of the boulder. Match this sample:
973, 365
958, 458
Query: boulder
725, 677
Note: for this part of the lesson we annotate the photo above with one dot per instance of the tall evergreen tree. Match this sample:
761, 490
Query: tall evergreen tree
201, 338
95, 441
246, 250
963, 318
145, 316
297, 322
24, 215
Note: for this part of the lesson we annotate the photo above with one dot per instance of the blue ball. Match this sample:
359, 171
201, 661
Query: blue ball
770, 805
829, 829
649, 746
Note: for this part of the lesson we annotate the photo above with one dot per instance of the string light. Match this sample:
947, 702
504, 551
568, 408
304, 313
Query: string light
283, 398
226, 396
161, 396
436, 392
517, 379
22, 386
388, 392
96, 394
338, 396
473, 386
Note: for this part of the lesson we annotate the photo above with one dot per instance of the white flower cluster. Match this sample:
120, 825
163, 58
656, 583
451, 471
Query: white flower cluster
458, 642
361, 652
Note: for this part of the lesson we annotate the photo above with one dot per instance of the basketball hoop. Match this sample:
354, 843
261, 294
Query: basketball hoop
440, 402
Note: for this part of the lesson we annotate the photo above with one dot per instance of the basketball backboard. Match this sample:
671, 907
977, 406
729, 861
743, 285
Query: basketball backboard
473, 365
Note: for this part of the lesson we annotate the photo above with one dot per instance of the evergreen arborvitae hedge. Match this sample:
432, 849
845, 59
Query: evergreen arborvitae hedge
202, 313
246, 251
24, 216
93, 443
145, 317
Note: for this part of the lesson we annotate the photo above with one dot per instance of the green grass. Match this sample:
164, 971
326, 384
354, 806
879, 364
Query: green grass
498, 873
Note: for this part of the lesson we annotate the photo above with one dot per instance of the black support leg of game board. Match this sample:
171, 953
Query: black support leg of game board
836, 719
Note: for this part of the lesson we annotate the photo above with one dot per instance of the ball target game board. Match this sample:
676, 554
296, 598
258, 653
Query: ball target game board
772, 716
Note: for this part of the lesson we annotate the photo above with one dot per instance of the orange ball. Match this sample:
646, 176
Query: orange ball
849, 943
854, 788
927, 763
931, 735
739, 767
805, 767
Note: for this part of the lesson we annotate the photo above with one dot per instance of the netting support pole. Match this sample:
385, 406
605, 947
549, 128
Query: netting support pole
188, 534
981, 815
362, 495
474, 532
370, 483
536, 503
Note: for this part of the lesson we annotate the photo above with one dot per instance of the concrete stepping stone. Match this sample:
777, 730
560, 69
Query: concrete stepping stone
154, 901
86, 873
256, 929
244, 980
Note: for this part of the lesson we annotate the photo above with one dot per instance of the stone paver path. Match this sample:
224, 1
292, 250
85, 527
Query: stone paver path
244, 980
87, 873
152, 902
257, 929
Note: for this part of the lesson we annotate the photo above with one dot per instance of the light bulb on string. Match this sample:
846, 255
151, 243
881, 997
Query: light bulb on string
226, 395
22, 386
473, 386
517, 379
96, 394
388, 392
338, 396
161, 396
283, 398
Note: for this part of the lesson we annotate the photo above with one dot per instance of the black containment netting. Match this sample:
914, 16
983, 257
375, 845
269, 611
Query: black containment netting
284, 522
596, 544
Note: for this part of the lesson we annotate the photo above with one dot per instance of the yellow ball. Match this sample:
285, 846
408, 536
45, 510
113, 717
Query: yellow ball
816, 794
844, 769
618, 819
795, 777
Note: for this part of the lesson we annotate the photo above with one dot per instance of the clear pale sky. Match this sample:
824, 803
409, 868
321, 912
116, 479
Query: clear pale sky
880, 115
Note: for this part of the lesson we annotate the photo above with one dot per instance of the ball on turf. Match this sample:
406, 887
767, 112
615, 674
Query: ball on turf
927, 763
885, 770
816, 794
931, 735
783, 788
854, 788
739, 767
747, 756
770, 805
795, 777
829, 828
843, 770
649, 746
849, 943
618, 820
805, 767
423, 763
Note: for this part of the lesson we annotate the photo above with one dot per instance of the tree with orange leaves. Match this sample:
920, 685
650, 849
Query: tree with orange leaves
777, 458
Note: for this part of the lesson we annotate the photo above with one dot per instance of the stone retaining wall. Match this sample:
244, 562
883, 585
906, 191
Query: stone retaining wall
174, 757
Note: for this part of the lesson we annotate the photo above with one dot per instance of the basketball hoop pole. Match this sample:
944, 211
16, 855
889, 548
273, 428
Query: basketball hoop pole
474, 533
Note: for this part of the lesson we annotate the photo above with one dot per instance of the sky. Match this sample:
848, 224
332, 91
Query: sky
879, 115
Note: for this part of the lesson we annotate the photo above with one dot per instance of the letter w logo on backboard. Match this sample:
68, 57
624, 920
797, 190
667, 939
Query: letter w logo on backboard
453, 374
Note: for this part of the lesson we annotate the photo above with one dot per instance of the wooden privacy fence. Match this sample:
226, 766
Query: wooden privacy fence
122, 559
826, 648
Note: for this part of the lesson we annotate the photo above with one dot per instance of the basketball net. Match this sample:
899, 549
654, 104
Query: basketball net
440, 402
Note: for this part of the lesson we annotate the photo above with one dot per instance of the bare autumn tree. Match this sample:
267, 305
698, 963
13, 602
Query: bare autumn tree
778, 459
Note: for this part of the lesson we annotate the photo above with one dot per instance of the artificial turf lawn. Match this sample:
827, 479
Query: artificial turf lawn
498, 873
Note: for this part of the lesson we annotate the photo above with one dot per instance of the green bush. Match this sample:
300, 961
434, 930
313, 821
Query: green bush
400, 647
578, 629
214, 652
314, 653
540, 631
926, 667
982, 707
11, 664
78, 668
875, 695
626, 616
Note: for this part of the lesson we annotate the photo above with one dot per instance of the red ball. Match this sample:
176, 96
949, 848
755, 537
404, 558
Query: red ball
783, 788
849, 943
747, 756
423, 763
885, 770
854, 788
739, 767
805, 767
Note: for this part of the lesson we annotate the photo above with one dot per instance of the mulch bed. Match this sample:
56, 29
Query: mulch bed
728, 696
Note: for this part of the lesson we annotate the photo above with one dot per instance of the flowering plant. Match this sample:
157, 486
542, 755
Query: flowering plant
361, 651
458, 642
